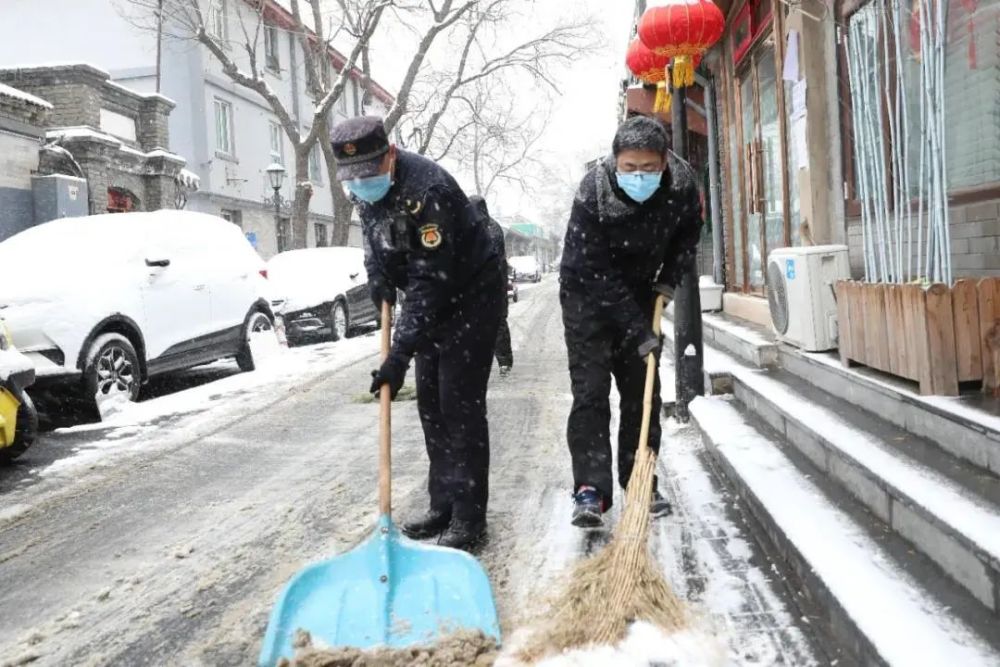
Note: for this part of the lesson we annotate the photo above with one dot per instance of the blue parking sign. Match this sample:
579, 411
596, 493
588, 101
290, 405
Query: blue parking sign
790, 269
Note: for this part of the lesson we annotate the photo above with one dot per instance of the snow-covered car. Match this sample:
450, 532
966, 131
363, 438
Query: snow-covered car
107, 301
321, 292
525, 268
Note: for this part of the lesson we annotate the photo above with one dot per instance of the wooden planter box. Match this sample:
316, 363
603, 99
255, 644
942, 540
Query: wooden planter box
934, 336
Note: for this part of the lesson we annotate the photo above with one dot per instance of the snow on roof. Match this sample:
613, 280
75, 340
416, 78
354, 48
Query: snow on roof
120, 86
84, 132
7, 91
79, 132
188, 179
63, 63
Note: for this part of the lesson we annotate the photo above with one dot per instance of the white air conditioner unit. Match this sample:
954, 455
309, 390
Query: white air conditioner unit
800, 291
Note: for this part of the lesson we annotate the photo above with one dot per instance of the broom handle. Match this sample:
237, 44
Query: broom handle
385, 423
647, 395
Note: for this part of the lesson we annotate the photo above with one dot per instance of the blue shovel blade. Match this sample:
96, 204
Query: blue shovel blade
387, 591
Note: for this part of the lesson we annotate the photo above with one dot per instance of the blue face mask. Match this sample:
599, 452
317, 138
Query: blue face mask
639, 185
370, 189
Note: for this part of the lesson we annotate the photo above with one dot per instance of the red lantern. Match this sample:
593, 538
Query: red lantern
646, 65
650, 68
682, 30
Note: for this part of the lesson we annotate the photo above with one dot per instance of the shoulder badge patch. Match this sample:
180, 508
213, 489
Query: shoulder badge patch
430, 236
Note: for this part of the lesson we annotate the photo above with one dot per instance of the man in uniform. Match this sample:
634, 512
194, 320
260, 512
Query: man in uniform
423, 237
504, 353
633, 231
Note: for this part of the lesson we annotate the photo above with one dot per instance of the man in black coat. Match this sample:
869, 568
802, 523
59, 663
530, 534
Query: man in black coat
504, 352
423, 237
633, 231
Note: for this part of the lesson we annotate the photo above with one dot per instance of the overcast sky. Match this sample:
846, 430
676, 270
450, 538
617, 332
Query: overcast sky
584, 116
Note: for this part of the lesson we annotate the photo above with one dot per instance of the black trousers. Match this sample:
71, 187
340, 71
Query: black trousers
452, 374
504, 353
596, 354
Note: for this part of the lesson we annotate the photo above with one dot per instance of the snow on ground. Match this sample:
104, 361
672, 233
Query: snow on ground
188, 412
906, 626
709, 558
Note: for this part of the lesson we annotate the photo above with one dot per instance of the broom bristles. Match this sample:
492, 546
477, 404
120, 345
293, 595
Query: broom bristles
618, 586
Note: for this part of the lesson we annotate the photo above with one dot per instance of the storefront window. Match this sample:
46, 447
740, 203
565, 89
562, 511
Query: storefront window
971, 97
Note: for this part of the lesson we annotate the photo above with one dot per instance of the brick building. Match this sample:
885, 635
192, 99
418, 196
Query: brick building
118, 138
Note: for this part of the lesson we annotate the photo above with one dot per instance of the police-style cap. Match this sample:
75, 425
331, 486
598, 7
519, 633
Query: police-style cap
358, 146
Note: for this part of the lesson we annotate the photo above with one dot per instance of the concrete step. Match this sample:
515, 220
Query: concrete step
966, 427
750, 343
864, 589
945, 511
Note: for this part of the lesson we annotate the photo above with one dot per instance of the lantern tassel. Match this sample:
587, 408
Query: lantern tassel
683, 72
662, 103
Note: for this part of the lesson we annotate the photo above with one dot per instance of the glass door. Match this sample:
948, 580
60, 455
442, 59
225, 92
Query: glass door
763, 226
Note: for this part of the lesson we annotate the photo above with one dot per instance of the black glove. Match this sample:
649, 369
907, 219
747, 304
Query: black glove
392, 373
382, 291
650, 345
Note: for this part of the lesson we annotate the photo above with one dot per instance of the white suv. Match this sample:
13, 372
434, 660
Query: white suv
110, 300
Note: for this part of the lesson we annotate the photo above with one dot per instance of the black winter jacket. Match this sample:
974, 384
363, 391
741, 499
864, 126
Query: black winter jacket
615, 249
424, 237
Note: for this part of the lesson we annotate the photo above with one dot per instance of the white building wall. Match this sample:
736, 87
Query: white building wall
193, 78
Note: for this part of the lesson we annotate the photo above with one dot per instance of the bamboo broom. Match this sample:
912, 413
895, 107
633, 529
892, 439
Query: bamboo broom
622, 583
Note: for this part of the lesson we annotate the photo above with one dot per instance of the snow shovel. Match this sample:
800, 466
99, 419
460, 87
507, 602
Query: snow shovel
388, 590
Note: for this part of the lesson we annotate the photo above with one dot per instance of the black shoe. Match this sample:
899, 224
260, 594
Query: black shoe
429, 525
660, 506
463, 534
504, 371
588, 509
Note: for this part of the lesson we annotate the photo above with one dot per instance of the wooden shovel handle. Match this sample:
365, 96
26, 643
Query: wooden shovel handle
385, 422
647, 396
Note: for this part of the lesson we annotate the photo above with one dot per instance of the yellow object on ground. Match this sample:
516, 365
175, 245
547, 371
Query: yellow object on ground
8, 417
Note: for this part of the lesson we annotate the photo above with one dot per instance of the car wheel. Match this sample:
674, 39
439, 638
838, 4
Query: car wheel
339, 322
257, 321
26, 429
112, 367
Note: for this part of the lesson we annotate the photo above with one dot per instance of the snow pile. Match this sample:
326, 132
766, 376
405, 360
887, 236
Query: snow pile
113, 403
266, 350
644, 645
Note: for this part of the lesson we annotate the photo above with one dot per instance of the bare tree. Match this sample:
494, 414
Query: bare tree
442, 16
482, 60
186, 19
495, 140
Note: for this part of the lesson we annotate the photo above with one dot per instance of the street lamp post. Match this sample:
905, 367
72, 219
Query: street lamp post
276, 177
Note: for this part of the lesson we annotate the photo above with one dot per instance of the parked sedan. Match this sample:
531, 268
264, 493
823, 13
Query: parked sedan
105, 302
321, 293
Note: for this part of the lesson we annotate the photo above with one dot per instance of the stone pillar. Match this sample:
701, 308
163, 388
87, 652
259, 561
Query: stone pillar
153, 124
